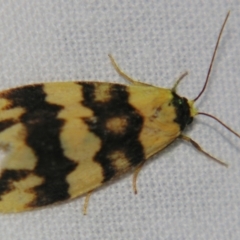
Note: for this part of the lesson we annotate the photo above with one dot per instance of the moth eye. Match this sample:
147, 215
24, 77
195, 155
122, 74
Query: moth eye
180, 101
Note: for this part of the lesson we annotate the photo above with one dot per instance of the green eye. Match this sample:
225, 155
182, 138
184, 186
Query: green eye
180, 102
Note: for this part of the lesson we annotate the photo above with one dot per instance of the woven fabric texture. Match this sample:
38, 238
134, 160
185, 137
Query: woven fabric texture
182, 193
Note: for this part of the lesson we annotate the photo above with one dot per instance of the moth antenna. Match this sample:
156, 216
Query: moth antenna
213, 57
223, 124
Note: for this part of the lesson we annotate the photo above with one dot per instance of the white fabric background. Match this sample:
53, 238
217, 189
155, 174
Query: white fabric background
182, 194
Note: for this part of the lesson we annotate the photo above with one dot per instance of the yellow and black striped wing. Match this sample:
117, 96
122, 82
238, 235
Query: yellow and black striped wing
65, 139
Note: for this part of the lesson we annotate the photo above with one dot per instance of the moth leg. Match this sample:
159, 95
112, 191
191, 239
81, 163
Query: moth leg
123, 74
199, 148
135, 175
86, 202
174, 89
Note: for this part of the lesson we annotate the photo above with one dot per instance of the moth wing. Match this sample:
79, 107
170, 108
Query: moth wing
65, 139
159, 127
54, 150
49, 150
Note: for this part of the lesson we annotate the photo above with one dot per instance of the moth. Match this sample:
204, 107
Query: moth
65, 139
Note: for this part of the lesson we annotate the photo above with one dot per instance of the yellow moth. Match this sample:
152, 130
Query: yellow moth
65, 139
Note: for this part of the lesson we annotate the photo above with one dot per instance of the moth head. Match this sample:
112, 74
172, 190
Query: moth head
185, 110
